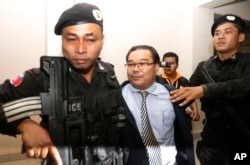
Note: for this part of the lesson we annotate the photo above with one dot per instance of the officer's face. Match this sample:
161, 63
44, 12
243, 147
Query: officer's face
82, 44
227, 39
142, 74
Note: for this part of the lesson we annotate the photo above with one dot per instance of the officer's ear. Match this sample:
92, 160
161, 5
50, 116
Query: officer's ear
242, 37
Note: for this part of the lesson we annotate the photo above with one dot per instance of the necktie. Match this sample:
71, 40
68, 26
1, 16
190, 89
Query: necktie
149, 140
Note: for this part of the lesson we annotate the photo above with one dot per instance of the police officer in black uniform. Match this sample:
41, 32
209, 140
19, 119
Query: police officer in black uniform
222, 83
92, 84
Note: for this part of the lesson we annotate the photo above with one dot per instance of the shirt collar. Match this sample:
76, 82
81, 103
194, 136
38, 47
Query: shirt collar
178, 75
152, 89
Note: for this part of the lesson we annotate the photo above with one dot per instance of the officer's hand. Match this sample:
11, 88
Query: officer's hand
37, 141
194, 114
186, 94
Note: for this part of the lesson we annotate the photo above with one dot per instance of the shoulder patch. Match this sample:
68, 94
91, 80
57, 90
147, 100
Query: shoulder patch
18, 80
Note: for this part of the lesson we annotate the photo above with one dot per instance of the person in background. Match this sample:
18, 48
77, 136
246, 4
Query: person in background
168, 124
92, 87
171, 76
222, 85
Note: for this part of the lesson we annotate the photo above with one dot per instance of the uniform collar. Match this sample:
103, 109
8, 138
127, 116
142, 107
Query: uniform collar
99, 67
232, 58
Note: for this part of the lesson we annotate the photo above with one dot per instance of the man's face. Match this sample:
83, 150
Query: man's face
169, 71
227, 39
82, 44
143, 75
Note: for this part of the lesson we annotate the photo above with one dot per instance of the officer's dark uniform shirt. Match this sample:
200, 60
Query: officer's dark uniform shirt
232, 78
82, 95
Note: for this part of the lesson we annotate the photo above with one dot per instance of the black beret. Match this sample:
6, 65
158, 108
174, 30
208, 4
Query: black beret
228, 18
78, 14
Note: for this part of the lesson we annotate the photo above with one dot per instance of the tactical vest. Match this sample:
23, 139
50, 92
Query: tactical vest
222, 113
97, 107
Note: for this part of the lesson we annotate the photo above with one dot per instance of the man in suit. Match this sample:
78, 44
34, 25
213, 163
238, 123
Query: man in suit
167, 121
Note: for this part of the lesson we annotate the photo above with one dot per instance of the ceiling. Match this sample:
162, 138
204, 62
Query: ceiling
219, 3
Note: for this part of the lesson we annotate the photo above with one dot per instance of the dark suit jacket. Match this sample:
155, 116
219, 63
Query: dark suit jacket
134, 150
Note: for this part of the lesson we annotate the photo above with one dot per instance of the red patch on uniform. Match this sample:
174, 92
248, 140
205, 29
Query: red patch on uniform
18, 80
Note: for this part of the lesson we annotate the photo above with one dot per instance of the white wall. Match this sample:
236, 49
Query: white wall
27, 32
22, 35
22, 38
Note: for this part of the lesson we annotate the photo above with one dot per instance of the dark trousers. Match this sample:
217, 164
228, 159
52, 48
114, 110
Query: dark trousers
217, 144
208, 155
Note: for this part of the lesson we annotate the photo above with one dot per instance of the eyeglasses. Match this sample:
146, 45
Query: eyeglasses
139, 65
